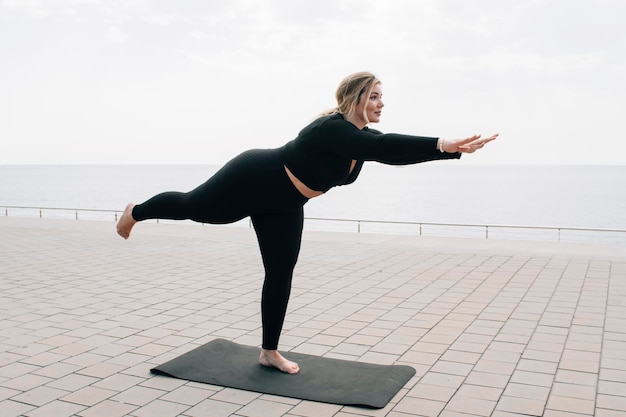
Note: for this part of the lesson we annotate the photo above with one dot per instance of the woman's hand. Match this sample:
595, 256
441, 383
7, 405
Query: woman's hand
467, 145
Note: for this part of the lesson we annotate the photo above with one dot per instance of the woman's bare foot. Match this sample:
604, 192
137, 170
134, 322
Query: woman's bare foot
126, 222
273, 359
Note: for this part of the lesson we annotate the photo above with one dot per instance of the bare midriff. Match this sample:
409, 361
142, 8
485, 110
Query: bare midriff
303, 188
300, 186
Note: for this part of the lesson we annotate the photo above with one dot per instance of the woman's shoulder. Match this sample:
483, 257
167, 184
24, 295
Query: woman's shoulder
333, 117
334, 123
369, 129
323, 122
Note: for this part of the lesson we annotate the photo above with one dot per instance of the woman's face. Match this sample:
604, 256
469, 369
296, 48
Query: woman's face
371, 106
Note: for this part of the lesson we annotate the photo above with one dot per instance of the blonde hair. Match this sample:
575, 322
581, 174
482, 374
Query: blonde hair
350, 90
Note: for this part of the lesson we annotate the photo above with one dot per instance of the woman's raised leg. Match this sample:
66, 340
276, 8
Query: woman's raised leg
223, 198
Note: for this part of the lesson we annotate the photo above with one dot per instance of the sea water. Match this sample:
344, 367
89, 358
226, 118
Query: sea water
442, 192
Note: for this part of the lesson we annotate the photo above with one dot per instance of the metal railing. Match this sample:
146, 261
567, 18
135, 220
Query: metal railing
75, 210
556, 231
618, 235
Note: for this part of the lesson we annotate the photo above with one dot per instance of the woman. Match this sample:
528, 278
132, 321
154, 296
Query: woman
272, 186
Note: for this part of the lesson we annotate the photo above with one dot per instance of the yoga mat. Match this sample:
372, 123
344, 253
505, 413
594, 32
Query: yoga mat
327, 380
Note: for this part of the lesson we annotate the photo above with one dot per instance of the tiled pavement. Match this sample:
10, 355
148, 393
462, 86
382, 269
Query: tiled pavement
493, 328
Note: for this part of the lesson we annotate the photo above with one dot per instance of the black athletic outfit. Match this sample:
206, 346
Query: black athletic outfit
255, 184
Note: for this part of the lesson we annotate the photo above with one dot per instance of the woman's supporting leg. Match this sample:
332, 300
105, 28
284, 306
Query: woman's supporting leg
279, 237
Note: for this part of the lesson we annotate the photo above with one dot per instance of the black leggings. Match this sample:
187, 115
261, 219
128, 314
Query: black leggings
252, 184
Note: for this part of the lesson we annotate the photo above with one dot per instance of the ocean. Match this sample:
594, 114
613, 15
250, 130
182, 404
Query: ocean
440, 192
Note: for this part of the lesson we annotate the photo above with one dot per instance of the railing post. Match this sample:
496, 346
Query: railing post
40, 213
358, 226
420, 229
559, 234
486, 232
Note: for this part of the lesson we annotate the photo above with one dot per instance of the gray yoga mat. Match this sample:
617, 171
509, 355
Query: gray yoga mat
327, 380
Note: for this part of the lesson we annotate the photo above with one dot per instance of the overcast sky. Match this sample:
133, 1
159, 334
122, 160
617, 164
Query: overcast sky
197, 81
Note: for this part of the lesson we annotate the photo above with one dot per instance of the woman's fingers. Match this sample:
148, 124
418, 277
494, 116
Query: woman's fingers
482, 141
469, 140
471, 144
492, 137
476, 142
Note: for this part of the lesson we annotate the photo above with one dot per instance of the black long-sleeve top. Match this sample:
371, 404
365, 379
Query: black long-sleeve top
321, 155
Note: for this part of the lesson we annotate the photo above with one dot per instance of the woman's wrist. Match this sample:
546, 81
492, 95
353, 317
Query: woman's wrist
440, 145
